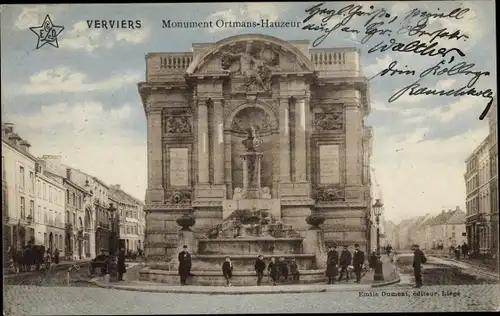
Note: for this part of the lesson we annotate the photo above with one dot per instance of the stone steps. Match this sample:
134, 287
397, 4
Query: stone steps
215, 278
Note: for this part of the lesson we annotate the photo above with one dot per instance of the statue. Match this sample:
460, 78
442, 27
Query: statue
254, 70
252, 142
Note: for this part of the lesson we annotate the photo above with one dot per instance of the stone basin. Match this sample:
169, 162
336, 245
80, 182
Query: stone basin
250, 246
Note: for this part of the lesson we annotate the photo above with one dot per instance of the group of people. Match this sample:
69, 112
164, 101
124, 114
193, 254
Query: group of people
463, 249
282, 271
32, 256
338, 264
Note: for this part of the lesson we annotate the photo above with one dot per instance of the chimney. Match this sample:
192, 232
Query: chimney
117, 187
14, 139
25, 146
457, 208
68, 174
9, 128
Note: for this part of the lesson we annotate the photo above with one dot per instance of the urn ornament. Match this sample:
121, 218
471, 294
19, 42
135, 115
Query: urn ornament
315, 220
186, 221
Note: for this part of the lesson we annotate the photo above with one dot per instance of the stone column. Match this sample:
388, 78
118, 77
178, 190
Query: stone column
353, 138
155, 157
314, 243
285, 140
203, 153
218, 142
227, 163
300, 140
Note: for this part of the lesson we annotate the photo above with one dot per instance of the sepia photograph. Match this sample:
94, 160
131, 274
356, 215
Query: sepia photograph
249, 157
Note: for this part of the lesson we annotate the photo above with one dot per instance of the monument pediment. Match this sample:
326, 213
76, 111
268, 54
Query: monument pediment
251, 59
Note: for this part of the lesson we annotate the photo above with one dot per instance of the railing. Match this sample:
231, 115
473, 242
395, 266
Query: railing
336, 60
160, 65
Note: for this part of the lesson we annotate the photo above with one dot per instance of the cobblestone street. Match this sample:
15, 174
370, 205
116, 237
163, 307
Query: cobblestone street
38, 300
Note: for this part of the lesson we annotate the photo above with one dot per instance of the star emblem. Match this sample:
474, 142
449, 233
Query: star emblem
47, 33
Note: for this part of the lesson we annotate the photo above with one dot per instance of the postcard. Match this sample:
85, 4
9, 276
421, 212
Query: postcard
249, 157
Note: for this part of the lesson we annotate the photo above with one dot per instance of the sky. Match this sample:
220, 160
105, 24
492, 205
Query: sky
81, 101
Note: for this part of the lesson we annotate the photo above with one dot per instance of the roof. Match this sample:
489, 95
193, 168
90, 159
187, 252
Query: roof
442, 218
119, 194
458, 217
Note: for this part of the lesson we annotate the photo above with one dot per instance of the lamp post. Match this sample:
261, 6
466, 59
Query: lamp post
112, 211
377, 210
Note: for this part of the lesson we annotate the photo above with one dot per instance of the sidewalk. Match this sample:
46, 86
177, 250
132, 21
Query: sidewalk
463, 264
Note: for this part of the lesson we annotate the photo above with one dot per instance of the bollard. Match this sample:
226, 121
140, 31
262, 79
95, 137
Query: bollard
68, 279
106, 279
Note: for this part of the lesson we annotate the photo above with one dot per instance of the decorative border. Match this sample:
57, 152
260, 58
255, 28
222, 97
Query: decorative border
166, 172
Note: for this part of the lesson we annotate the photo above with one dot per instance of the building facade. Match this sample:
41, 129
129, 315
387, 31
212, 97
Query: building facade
51, 204
493, 181
132, 219
18, 189
473, 217
308, 106
75, 196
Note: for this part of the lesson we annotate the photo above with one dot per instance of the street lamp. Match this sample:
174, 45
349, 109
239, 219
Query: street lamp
377, 210
112, 211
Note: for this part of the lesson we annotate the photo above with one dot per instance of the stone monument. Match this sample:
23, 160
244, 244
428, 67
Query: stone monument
255, 123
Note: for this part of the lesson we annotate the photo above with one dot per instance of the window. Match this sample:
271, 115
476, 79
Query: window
50, 193
45, 241
79, 202
67, 196
21, 176
74, 199
23, 208
39, 188
32, 182
32, 209
45, 191
39, 214
45, 215
74, 219
67, 217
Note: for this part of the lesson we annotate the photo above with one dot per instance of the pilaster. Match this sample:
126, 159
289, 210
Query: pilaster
353, 138
218, 142
285, 140
300, 139
155, 192
203, 154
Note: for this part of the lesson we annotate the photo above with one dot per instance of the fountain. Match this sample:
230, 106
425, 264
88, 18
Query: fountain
245, 234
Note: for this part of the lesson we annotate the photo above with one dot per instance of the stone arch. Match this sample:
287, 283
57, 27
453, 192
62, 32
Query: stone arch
87, 222
249, 104
284, 45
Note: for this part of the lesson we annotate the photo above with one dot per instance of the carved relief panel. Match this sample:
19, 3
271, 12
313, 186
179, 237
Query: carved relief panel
178, 121
328, 118
178, 173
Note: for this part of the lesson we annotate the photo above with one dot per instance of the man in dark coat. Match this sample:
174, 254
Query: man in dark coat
121, 264
260, 266
294, 271
272, 270
418, 259
283, 269
56, 256
332, 262
184, 264
357, 261
465, 250
344, 262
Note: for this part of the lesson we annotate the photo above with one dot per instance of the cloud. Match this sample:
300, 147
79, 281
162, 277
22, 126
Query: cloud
34, 15
64, 79
80, 37
419, 177
90, 138
380, 64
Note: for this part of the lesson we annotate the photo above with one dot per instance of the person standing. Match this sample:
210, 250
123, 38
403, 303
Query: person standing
184, 264
344, 262
358, 262
56, 256
272, 270
227, 270
465, 250
260, 266
122, 269
48, 259
294, 271
373, 259
332, 262
418, 259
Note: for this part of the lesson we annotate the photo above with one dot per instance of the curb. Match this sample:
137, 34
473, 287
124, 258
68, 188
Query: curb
207, 292
387, 283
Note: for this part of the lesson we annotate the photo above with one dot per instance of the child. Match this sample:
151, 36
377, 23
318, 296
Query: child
260, 266
283, 270
272, 269
294, 271
227, 270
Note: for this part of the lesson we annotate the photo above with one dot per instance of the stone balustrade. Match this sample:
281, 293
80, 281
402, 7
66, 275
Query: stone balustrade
167, 64
336, 61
